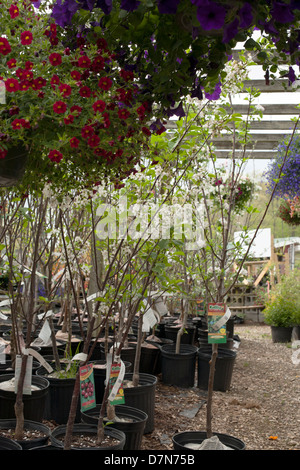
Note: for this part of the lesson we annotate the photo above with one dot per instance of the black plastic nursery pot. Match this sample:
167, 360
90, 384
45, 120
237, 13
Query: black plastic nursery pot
9, 444
178, 368
188, 336
26, 443
58, 400
281, 334
34, 404
223, 369
58, 435
149, 360
132, 423
181, 439
142, 397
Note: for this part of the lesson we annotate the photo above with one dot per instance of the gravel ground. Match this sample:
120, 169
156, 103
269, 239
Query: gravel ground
261, 408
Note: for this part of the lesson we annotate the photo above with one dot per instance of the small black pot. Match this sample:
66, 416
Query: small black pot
58, 401
178, 368
142, 397
27, 444
34, 404
133, 424
82, 428
197, 437
223, 369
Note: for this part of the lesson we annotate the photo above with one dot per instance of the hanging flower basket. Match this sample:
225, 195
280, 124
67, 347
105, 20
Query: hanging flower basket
12, 167
287, 215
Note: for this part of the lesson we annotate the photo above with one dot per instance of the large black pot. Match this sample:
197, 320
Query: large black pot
223, 369
178, 368
150, 362
197, 437
27, 444
58, 402
142, 397
132, 424
188, 336
58, 434
281, 334
9, 444
34, 404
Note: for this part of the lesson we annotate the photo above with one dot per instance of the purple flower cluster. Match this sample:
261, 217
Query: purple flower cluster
211, 14
289, 180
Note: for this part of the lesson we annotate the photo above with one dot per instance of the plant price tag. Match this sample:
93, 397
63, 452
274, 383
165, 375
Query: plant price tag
217, 316
27, 390
87, 387
116, 376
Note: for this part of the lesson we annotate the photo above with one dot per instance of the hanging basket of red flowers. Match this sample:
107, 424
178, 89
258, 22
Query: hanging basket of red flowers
287, 214
77, 111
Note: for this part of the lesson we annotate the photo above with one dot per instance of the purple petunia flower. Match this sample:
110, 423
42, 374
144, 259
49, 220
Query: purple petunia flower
211, 16
215, 95
63, 11
230, 30
291, 75
129, 5
282, 13
168, 6
179, 111
246, 16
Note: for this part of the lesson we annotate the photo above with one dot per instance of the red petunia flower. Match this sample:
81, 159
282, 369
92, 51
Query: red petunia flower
28, 65
65, 90
123, 113
98, 64
38, 83
11, 63
14, 110
99, 106
75, 75
3, 153
14, 11
146, 131
55, 59
59, 107
24, 74
11, 85
69, 119
84, 62
85, 91
76, 110
24, 85
93, 141
105, 83
127, 75
5, 47
54, 81
87, 131
26, 38
55, 156
20, 123
74, 142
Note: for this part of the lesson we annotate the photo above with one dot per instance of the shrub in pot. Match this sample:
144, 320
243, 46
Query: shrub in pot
282, 311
